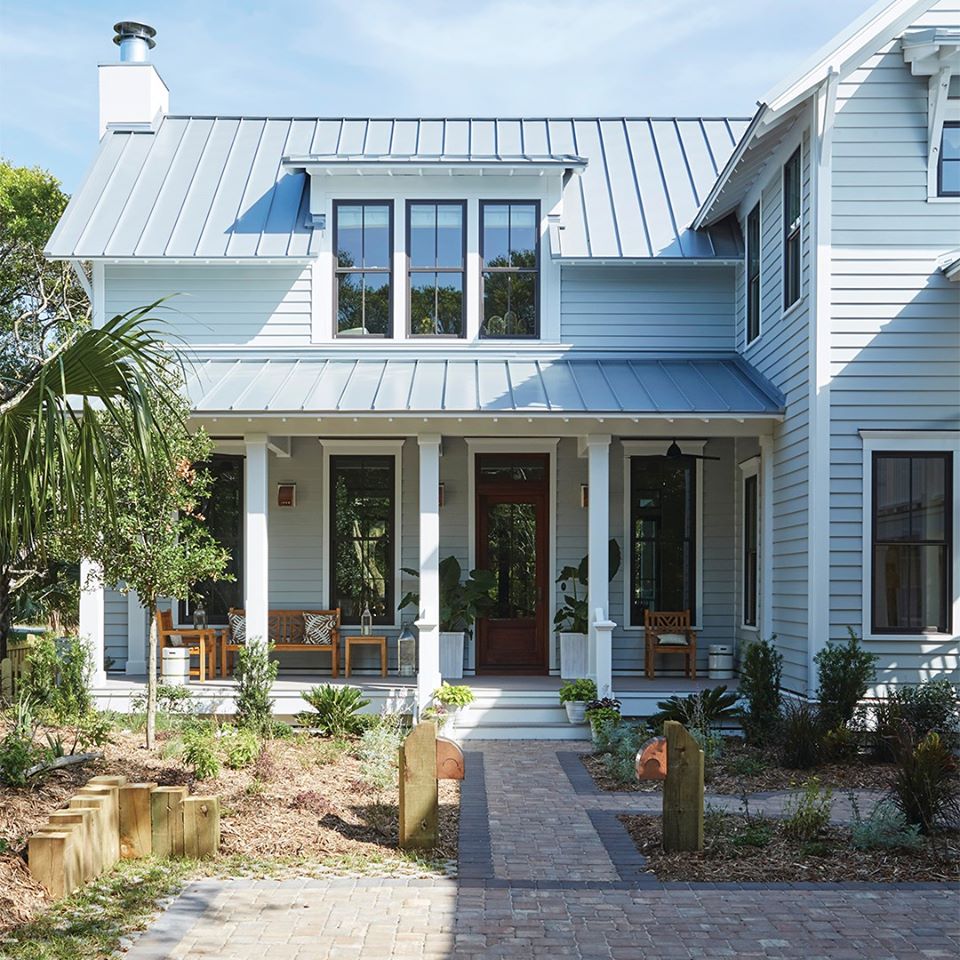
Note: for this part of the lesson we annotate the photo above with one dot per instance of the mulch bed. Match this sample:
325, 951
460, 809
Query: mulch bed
828, 859
726, 774
300, 800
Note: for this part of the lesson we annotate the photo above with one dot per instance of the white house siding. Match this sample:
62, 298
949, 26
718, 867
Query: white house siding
895, 319
648, 308
212, 305
782, 354
115, 628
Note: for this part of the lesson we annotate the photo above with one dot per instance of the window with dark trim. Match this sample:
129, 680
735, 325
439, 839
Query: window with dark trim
362, 531
948, 163
911, 542
223, 514
510, 278
663, 523
363, 240
792, 216
436, 252
753, 274
750, 549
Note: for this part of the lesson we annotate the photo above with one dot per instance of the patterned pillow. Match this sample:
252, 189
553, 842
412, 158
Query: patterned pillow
319, 628
238, 627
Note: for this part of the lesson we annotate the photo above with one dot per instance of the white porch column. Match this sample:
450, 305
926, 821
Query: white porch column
598, 536
136, 636
428, 626
92, 616
255, 555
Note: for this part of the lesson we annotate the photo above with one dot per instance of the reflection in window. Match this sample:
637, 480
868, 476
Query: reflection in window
362, 237
753, 274
662, 536
948, 169
911, 542
494, 467
791, 230
512, 558
362, 520
435, 247
510, 249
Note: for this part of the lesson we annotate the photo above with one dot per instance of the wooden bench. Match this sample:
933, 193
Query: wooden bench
286, 629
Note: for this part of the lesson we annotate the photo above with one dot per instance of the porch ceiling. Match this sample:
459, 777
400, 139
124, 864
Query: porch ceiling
562, 386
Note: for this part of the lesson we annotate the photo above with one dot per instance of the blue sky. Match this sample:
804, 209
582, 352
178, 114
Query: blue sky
420, 57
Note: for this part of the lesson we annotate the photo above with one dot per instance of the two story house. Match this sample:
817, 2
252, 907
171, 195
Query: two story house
732, 345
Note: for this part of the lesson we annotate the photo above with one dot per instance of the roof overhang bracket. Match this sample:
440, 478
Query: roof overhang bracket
83, 278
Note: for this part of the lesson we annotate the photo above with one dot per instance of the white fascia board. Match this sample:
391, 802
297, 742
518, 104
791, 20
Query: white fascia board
145, 261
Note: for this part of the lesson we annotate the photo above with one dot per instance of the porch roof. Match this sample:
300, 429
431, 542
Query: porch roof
562, 385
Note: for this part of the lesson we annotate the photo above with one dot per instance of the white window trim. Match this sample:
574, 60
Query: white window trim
357, 448
785, 310
747, 342
894, 441
750, 468
653, 448
547, 445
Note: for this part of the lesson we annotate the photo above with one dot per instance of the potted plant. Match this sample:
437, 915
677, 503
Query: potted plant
449, 701
602, 715
461, 603
572, 620
574, 695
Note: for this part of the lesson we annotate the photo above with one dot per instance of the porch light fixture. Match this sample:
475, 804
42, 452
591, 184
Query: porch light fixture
584, 495
441, 495
286, 494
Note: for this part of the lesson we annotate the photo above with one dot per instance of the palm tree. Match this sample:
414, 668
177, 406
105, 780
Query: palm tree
53, 459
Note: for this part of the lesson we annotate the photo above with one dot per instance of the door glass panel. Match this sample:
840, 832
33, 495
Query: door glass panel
512, 558
493, 467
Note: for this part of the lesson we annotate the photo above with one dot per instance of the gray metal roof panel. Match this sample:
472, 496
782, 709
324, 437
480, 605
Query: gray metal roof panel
217, 186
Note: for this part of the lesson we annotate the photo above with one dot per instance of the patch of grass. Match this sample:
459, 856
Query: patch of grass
746, 766
328, 752
754, 835
90, 924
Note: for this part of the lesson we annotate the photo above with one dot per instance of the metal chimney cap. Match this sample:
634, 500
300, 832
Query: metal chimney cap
131, 30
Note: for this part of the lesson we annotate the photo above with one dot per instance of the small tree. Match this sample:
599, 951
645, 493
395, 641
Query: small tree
760, 687
158, 545
845, 671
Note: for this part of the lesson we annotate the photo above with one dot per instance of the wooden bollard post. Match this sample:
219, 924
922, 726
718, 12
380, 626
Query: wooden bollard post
85, 820
101, 828
201, 827
112, 838
682, 790
108, 779
54, 862
419, 797
136, 832
166, 821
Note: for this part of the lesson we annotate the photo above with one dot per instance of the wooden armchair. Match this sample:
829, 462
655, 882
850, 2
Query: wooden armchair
669, 632
201, 644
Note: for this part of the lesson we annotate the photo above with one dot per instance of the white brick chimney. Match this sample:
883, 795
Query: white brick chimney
131, 91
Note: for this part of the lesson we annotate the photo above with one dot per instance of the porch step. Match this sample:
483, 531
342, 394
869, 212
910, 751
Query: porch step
518, 716
526, 731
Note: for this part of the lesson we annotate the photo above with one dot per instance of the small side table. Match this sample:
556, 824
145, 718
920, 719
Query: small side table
359, 641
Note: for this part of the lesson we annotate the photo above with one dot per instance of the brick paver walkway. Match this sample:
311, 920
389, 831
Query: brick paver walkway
545, 872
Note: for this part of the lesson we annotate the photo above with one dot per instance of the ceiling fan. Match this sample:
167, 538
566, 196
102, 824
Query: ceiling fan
675, 453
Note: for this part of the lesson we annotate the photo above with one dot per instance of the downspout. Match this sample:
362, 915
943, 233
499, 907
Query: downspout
823, 111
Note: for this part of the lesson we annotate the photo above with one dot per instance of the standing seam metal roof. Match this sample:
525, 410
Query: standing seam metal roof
210, 187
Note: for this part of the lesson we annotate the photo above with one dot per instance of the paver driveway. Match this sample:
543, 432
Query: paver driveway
545, 871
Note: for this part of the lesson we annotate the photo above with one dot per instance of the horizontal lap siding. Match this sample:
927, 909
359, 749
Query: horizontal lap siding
115, 628
648, 308
263, 305
895, 319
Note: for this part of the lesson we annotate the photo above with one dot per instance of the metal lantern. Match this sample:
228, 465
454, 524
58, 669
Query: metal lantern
366, 621
199, 616
406, 652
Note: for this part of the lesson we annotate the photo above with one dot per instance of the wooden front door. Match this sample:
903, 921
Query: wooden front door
512, 542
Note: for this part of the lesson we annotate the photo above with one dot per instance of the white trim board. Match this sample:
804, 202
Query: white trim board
749, 468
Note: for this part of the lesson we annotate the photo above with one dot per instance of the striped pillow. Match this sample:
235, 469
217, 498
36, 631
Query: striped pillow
319, 628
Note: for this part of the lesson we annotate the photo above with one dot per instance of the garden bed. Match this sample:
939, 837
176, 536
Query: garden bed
303, 805
756, 850
742, 768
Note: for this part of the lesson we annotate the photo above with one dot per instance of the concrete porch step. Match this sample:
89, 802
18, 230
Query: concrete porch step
526, 731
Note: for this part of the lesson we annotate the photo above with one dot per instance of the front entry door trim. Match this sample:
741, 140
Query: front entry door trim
547, 445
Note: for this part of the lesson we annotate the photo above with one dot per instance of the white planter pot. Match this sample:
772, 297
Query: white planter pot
574, 656
449, 729
451, 655
576, 710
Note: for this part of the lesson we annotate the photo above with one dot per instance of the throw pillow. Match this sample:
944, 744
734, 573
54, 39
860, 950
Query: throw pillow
319, 628
238, 627
673, 639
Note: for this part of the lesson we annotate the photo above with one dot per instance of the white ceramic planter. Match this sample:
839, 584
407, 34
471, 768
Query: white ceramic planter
451, 655
574, 656
576, 710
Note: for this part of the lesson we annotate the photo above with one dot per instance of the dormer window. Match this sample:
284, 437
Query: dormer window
510, 253
363, 240
436, 252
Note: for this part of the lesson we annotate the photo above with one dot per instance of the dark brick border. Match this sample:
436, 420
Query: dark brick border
579, 776
475, 854
622, 851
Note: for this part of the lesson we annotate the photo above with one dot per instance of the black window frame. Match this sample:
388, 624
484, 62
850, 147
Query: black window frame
940, 159
235, 566
751, 549
792, 229
947, 542
484, 269
338, 271
388, 618
462, 204
752, 271
636, 607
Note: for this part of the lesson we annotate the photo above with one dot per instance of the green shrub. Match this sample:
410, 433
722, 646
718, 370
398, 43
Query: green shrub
241, 746
699, 711
255, 674
337, 710
746, 766
885, 829
57, 677
760, 686
841, 743
933, 705
575, 691
925, 787
199, 750
757, 833
845, 671
623, 743
453, 696
801, 735
807, 813
378, 750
